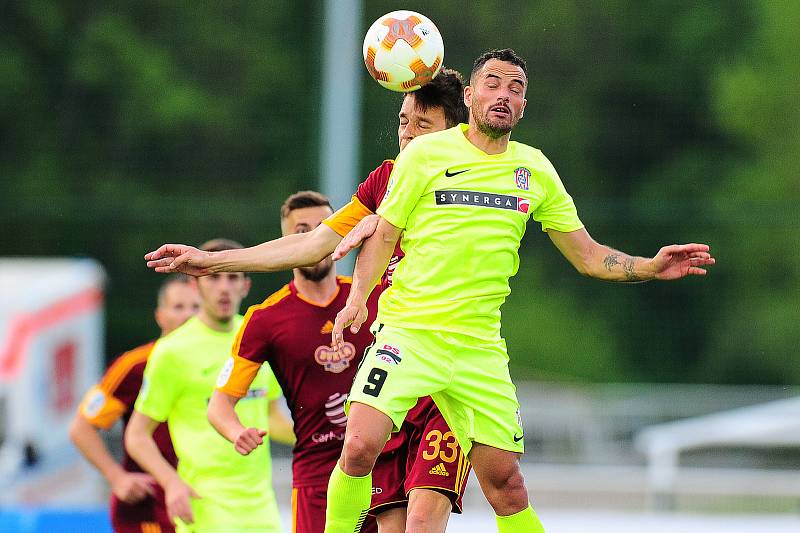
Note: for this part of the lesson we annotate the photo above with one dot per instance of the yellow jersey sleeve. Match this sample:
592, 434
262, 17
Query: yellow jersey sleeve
100, 408
237, 375
345, 219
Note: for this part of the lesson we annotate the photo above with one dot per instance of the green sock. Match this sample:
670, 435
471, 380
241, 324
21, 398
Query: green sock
525, 520
348, 502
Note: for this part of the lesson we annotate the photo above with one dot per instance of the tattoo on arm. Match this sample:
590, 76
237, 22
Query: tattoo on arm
613, 260
627, 267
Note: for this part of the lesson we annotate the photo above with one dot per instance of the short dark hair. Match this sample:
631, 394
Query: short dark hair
504, 54
169, 280
446, 90
218, 245
303, 199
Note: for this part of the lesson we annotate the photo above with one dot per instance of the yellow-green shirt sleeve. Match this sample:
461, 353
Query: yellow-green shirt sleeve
557, 211
161, 385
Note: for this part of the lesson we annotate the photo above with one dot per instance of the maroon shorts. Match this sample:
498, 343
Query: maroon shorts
424, 454
308, 511
148, 516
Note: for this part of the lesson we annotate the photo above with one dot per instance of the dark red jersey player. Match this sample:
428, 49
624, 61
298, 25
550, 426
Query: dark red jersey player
293, 335
103, 405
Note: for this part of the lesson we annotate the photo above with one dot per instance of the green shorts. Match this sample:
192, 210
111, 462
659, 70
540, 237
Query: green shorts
219, 514
467, 377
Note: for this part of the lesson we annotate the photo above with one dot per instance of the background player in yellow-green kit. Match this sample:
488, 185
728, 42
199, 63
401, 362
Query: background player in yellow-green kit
215, 489
461, 198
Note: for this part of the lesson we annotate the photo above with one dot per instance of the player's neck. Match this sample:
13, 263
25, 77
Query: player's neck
217, 324
485, 143
317, 292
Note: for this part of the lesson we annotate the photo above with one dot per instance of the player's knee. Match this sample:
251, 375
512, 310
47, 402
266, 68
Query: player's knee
359, 455
428, 511
419, 520
506, 492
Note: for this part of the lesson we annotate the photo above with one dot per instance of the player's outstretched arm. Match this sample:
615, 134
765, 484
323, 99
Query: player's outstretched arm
142, 448
362, 231
602, 262
222, 415
129, 487
290, 251
370, 265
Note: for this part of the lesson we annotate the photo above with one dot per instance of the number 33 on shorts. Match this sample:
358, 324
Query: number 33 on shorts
444, 446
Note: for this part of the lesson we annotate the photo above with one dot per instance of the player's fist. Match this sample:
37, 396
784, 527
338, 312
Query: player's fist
248, 440
361, 232
180, 258
178, 496
133, 487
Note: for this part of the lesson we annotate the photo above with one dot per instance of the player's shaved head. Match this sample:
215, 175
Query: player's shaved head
505, 54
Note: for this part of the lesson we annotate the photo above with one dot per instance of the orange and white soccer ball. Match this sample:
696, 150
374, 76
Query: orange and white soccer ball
403, 50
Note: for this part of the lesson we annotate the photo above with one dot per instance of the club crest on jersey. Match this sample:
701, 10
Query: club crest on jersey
523, 178
333, 361
389, 354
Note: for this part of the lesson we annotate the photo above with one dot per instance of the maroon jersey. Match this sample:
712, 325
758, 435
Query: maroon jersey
112, 399
293, 335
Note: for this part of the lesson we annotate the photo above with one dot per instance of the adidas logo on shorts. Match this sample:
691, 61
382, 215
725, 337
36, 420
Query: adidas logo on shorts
439, 470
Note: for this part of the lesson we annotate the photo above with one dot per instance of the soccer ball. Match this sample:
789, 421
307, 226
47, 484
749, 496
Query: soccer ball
403, 50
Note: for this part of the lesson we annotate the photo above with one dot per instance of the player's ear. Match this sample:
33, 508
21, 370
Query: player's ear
468, 96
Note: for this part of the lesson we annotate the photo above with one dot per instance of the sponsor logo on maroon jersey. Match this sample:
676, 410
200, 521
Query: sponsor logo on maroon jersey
335, 361
327, 437
334, 409
389, 354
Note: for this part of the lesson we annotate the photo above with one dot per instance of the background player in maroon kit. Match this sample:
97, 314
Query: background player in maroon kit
422, 452
137, 502
290, 330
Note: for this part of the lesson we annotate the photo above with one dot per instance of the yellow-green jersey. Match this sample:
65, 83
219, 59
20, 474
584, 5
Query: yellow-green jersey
464, 213
179, 379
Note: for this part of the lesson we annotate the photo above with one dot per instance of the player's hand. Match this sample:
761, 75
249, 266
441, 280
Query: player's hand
133, 487
679, 260
178, 496
354, 314
361, 232
248, 440
180, 258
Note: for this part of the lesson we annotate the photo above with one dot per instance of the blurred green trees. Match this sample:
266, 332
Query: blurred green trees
126, 125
